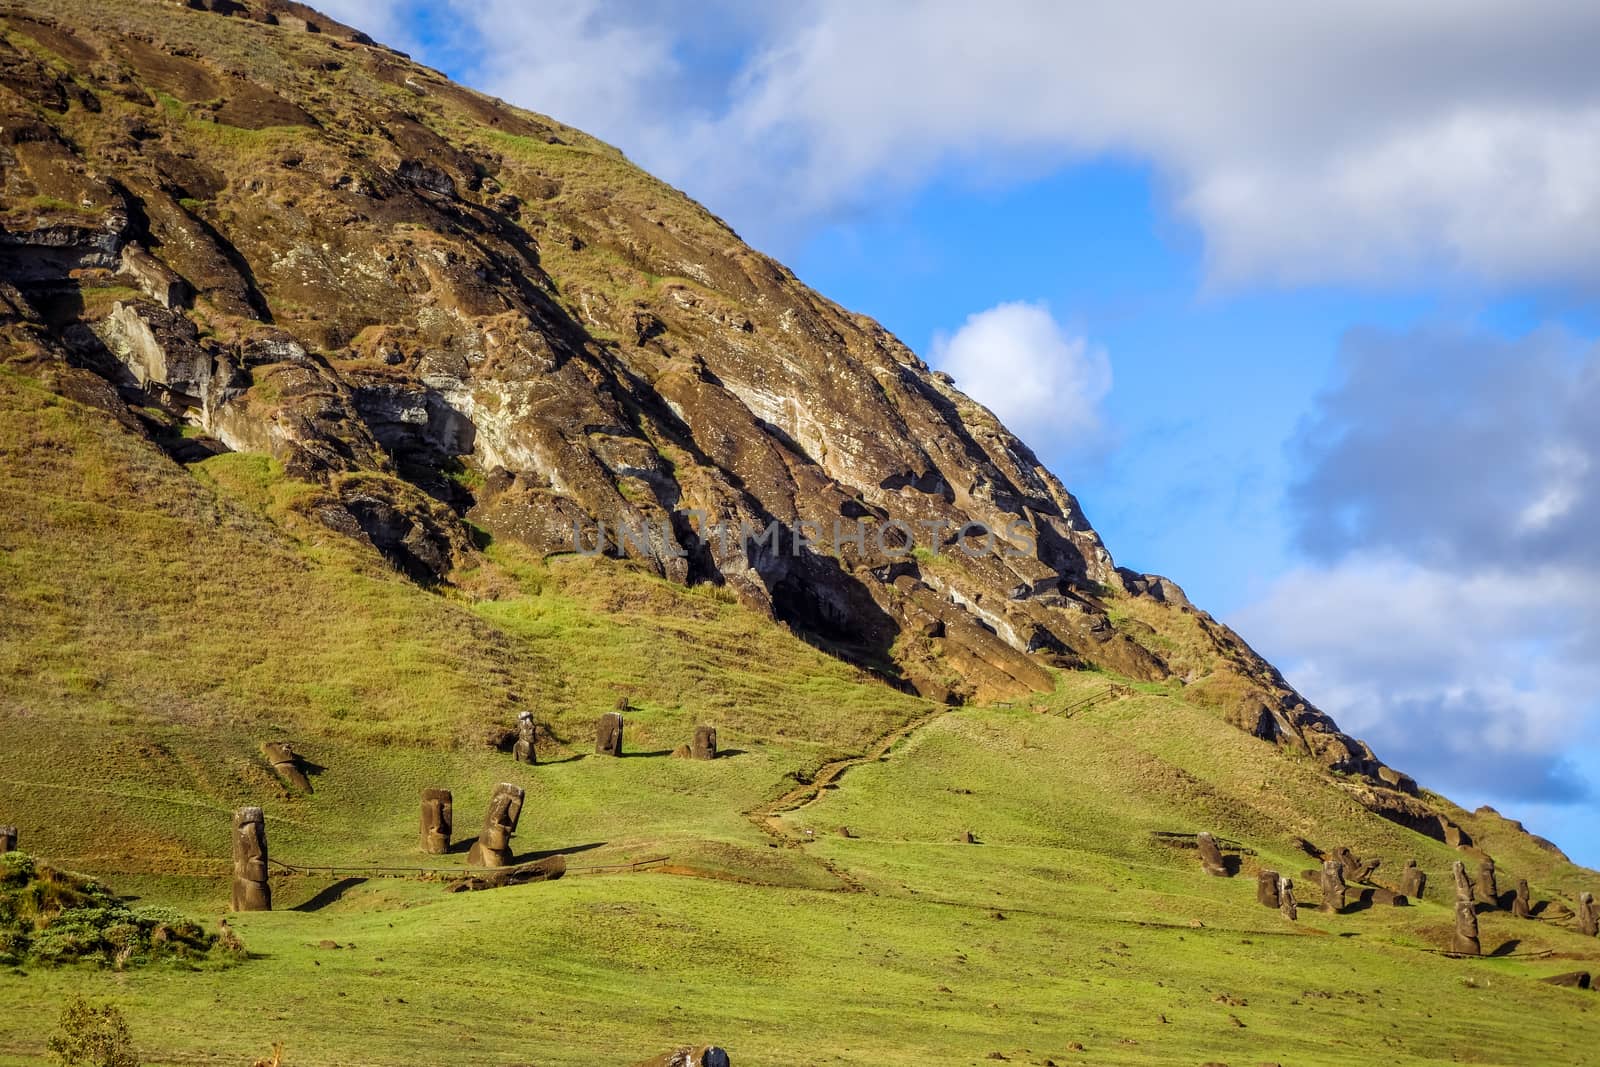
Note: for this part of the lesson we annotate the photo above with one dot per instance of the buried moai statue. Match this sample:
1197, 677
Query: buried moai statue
1413, 880
1354, 869
251, 891
8, 839
1519, 903
525, 750
608, 734
437, 820
1588, 921
1267, 889
1286, 903
705, 742
287, 765
1488, 891
493, 847
1464, 938
1210, 855
1333, 887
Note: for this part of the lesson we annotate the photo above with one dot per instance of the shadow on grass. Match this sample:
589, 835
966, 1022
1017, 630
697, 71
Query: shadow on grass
1508, 947
530, 857
329, 895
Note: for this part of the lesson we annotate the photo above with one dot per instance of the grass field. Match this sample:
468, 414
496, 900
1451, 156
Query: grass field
157, 624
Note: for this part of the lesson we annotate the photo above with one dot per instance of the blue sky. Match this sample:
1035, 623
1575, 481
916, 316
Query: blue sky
1300, 302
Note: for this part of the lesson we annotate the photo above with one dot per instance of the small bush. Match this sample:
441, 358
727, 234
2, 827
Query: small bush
90, 1036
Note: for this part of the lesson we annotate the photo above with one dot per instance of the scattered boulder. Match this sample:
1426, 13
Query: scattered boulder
1519, 904
705, 742
1286, 904
286, 765
437, 820
251, 891
8, 839
1333, 887
1210, 855
1267, 889
1570, 980
1488, 891
1413, 880
1464, 938
1588, 922
493, 847
523, 751
608, 734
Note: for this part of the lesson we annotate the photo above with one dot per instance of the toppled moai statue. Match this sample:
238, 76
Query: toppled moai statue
1210, 855
1519, 904
287, 765
1333, 887
1588, 922
1286, 903
1488, 891
1571, 980
493, 847
1413, 880
1464, 938
1267, 889
705, 742
8, 839
251, 892
704, 1056
608, 734
546, 870
438, 820
1379, 894
524, 751
1354, 869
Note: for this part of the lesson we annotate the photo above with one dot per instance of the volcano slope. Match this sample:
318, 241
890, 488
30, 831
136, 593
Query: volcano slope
309, 362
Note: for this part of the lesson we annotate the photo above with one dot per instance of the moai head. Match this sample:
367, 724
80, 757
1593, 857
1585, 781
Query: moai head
1465, 939
437, 820
1487, 889
1520, 905
526, 749
286, 764
493, 847
705, 742
1463, 883
1267, 889
1210, 855
1588, 922
8, 839
1413, 881
1286, 901
608, 734
251, 891
1333, 887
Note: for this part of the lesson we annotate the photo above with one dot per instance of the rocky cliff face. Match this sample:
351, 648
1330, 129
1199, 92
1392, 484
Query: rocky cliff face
244, 226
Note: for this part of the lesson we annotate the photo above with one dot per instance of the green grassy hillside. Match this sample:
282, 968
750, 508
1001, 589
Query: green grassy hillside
158, 623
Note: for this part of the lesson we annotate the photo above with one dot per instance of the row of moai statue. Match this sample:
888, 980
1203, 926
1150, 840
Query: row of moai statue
493, 846
607, 739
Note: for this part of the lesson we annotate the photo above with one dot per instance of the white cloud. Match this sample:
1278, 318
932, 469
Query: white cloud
1045, 384
1363, 140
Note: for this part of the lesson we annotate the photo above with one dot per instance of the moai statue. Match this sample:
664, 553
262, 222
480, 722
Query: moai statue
1464, 940
1210, 855
1267, 889
608, 734
493, 847
705, 742
8, 839
1519, 905
1588, 922
1413, 880
524, 750
1286, 904
437, 820
251, 892
287, 765
1488, 891
1333, 887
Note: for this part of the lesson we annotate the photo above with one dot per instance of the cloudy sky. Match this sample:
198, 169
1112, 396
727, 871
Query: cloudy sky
1301, 300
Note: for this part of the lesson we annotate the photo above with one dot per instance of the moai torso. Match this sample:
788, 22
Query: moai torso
525, 750
1333, 886
608, 734
437, 820
493, 847
251, 890
705, 742
1413, 881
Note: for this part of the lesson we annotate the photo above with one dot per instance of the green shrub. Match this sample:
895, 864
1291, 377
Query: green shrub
91, 1036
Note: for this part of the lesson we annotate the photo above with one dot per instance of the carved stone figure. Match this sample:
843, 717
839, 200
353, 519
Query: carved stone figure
1333, 887
1354, 869
705, 742
1413, 880
251, 892
8, 839
1588, 922
1210, 855
524, 751
287, 765
1464, 940
1488, 891
1267, 889
1286, 904
1519, 904
1463, 883
1571, 980
438, 820
608, 734
493, 847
